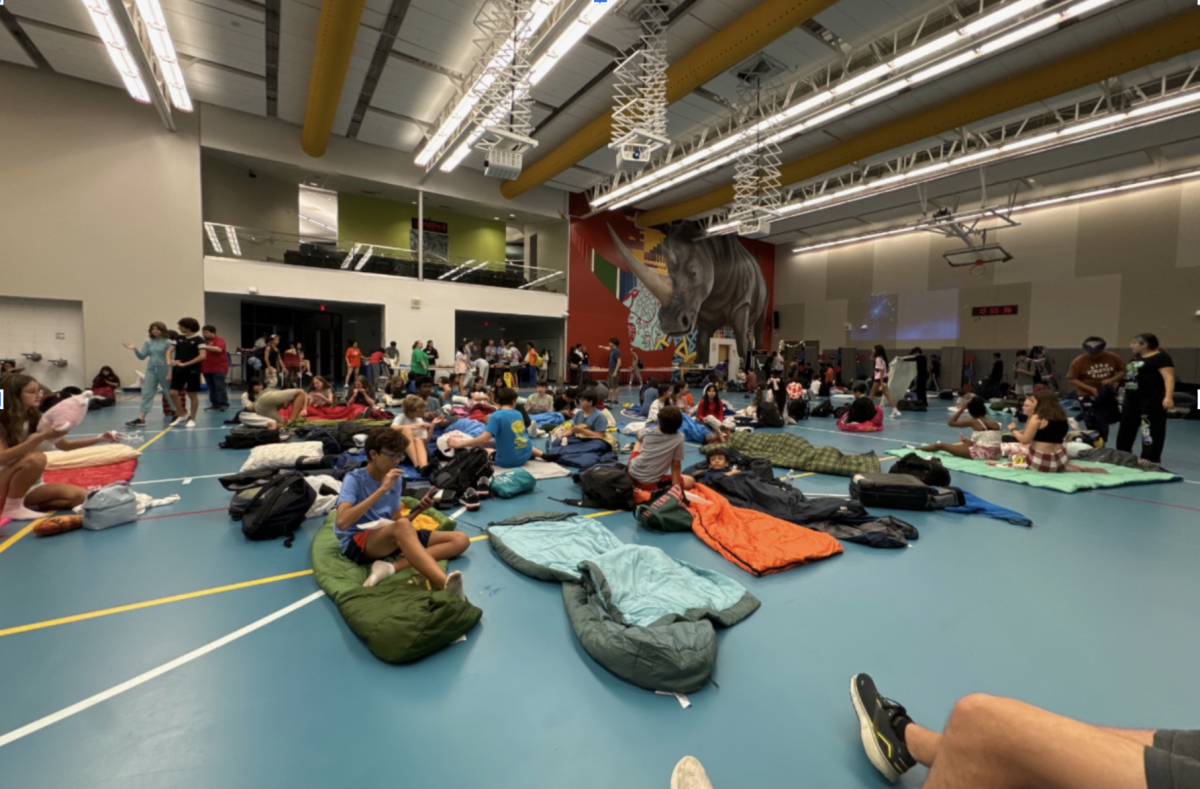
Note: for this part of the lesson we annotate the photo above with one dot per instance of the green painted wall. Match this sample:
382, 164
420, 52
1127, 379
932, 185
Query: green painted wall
370, 220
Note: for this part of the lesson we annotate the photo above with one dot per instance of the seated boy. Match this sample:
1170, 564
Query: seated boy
718, 466
372, 494
506, 432
658, 455
589, 422
433, 406
862, 409
541, 402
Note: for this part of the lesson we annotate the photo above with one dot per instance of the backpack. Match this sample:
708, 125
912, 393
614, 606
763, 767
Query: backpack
841, 411
798, 409
905, 404
768, 415
931, 471
278, 508
463, 471
111, 505
605, 487
513, 483
666, 511
821, 409
244, 437
332, 440
348, 430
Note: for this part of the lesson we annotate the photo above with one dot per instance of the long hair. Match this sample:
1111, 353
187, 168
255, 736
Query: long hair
17, 422
163, 331
880, 353
313, 385
1048, 407
716, 395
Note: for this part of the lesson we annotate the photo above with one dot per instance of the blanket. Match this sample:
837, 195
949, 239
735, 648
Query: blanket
99, 455
472, 428
694, 431
647, 618
581, 453
548, 420
93, 476
972, 504
874, 426
541, 469
786, 450
1064, 482
756, 542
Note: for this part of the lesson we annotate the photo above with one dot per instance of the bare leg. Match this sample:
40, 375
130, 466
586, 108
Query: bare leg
1086, 469
400, 534
177, 403
194, 399
442, 545
996, 743
49, 498
958, 450
18, 478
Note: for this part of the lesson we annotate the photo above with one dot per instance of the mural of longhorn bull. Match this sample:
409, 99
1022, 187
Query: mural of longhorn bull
714, 282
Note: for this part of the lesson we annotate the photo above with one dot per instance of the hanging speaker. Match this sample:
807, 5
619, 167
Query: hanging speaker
776, 319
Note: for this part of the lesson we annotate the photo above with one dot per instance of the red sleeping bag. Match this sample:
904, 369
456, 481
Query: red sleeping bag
874, 426
756, 542
327, 411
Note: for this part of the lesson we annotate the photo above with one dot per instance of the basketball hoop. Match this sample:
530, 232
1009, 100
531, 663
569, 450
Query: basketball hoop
978, 268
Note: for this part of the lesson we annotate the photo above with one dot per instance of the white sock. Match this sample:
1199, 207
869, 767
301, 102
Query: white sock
379, 571
454, 585
16, 509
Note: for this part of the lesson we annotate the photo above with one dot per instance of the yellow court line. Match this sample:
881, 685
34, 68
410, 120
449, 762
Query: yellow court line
151, 603
480, 537
13, 540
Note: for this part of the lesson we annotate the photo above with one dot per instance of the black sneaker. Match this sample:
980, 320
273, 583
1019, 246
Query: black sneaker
877, 717
212, 408
136, 423
483, 487
470, 500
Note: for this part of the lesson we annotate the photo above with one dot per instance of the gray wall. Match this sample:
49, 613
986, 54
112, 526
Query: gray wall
232, 197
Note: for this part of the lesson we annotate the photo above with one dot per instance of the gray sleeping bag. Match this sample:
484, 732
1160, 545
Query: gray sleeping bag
642, 615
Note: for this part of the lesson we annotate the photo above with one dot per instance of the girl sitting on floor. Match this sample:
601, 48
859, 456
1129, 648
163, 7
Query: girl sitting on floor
321, 393
984, 443
1042, 437
361, 394
411, 422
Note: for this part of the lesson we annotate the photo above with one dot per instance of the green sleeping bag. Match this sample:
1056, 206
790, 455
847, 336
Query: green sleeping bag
401, 619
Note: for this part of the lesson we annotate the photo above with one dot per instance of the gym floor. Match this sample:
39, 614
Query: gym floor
1091, 613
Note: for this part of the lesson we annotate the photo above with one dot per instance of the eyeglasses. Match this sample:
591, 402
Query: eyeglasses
391, 455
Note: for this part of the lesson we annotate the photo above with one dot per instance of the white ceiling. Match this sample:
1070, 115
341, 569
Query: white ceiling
222, 44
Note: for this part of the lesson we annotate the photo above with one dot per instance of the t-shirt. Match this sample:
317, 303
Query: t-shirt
596, 422
393, 352
432, 403
188, 348
997, 372
614, 359
1094, 372
922, 365
539, 403
357, 487
1143, 377
514, 355
432, 354
659, 451
376, 357
795, 390
648, 397
215, 361
512, 443
420, 362
490, 352
1023, 371
353, 357
880, 368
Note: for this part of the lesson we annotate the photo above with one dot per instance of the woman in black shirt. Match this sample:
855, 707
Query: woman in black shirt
1149, 391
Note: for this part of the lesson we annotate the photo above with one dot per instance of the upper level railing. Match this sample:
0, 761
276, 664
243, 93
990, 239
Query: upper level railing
293, 249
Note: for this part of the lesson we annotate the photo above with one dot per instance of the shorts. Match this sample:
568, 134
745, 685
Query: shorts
1174, 761
638, 484
981, 452
356, 549
1047, 462
186, 378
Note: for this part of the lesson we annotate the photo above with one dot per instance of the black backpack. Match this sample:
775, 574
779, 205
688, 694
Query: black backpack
841, 411
278, 508
244, 437
333, 442
605, 487
798, 409
904, 404
768, 415
821, 409
930, 471
463, 471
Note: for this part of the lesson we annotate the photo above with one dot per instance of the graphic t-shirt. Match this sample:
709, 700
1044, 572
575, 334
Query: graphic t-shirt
188, 348
353, 357
512, 442
1094, 372
215, 361
357, 487
1143, 376
795, 390
596, 422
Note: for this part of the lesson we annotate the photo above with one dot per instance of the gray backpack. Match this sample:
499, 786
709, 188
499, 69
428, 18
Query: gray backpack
111, 505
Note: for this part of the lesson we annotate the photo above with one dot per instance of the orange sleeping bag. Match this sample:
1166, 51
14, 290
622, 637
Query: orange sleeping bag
755, 541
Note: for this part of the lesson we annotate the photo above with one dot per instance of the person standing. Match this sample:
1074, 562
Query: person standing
419, 364
574, 360
1149, 392
489, 353
185, 357
214, 368
532, 363
272, 362
614, 364
353, 362
585, 361
880, 385
635, 367
1023, 374
1095, 374
922, 361
154, 353
432, 353
393, 352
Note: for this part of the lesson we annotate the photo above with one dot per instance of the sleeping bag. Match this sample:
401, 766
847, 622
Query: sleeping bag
756, 542
785, 450
581, 453
401, 619
874, 426
645, 617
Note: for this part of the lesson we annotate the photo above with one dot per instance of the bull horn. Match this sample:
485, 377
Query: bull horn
656, 283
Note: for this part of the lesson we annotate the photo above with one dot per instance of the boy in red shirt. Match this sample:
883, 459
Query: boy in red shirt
215, 368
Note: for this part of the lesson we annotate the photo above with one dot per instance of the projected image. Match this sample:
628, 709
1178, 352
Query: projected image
874, 317
932, 315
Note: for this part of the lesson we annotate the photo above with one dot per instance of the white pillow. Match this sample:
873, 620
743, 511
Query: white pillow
281, 455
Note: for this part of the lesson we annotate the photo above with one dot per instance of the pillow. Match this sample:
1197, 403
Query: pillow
66, 415
282, 455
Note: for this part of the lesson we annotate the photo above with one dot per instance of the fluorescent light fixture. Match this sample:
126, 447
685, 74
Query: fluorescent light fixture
213, 238
540, 280
350, 257
924, 51
364, 259
1020, 34
1084, 7
869, 75
575, 31
164, 51
880, 93
319, 224
1017, 145
457, 269
923, 171
891, 179
977, 155
234, 246
1001, 15
118, 49
1157, 106
1099, 123
529, 24
944, 66
807, 104
827, 116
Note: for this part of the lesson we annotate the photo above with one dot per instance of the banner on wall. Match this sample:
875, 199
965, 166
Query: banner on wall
666, 292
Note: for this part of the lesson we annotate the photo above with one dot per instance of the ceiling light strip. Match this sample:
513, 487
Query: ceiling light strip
164, 51
118, 48
643, 187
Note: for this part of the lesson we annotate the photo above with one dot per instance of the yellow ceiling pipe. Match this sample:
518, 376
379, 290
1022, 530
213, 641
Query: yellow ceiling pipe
336, 33
723, 50
1170, 38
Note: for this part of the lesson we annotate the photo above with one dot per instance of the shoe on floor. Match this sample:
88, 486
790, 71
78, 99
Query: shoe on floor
483, 487
180, 420
212, 408
689, 774
895, 413
136, 423
190, 423
877, 719
470, 499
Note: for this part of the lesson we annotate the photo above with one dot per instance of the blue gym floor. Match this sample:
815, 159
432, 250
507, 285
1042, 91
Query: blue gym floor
1091, 613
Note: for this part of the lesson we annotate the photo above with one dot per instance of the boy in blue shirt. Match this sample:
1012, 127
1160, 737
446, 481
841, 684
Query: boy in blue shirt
614, 364
369, 526
588, 422
506, 432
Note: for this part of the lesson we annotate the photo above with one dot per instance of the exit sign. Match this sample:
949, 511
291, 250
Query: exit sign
1005, 309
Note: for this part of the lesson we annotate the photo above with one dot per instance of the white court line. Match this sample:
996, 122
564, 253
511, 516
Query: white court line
141, 679
180, 479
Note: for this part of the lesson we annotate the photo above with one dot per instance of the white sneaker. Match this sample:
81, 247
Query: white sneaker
895, 413
190, 423
180, 420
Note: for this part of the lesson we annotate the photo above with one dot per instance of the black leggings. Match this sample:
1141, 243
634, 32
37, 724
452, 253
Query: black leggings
1131, 426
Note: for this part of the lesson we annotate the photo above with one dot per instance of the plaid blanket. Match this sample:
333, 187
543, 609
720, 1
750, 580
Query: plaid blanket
785, 450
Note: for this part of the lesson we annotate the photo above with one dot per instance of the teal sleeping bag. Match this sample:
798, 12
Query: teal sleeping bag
645, 617
509, 484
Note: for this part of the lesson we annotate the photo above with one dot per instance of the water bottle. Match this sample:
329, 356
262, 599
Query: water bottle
1146, 439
